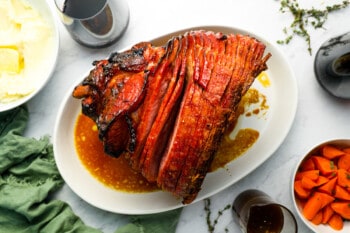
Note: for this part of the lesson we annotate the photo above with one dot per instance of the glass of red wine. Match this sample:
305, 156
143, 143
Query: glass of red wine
94, 23
256, 212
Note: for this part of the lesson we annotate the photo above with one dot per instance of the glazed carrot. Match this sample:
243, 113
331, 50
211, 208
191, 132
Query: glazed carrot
341, 193
312, 174
300, 190
344, 162
336, 222
307, 165
322, 186
321, 180
307, 183
317, 220
347, 150
342, 208
331, 152
325, 165
332, 175
344, 178
328, 187
327, 213
315, 203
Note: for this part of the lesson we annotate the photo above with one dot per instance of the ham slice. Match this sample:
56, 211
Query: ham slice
166, 108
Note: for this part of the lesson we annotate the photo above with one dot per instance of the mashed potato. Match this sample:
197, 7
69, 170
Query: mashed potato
26, 40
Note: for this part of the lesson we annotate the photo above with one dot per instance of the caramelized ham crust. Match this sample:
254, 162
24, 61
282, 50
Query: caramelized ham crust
166, 108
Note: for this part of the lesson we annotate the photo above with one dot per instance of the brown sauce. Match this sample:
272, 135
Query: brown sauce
254, 211
265, 218
116, 173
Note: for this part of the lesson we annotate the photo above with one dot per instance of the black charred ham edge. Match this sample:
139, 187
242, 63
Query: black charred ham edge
166, 108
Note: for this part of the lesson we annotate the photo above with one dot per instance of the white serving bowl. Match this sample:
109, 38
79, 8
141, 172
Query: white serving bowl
48, 63
322, 228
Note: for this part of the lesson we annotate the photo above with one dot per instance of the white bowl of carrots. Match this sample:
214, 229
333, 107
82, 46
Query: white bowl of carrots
321, 187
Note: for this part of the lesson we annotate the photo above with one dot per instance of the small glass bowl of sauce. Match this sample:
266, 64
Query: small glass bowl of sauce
256, 212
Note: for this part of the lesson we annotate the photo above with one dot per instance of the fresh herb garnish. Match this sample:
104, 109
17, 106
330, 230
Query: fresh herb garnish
211, 225
305, 17
348, 176
331, 165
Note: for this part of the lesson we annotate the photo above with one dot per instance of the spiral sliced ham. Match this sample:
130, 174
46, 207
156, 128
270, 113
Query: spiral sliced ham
166, 108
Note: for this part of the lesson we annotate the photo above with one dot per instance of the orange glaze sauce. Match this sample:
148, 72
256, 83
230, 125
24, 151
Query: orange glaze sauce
263, 78
113, 172
245, 138
116, 173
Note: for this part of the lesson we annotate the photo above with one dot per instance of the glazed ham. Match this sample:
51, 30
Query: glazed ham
166, 108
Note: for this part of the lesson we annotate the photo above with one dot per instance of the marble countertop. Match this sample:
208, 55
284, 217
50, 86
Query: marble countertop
319, 117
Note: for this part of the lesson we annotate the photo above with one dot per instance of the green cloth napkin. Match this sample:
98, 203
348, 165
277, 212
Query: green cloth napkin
28, 175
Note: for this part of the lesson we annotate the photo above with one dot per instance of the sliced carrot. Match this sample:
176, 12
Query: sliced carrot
336, 222
331, 152
315, 203
344, 162
327, 213
341, 193
347, 150
342, 208
325, 165
307, 183
344, 178
300, 191
321, 180
322, 186
312, 174
328, 187
332, 175
317, 220
307, 165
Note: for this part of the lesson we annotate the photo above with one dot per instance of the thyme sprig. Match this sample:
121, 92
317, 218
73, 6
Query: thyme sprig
305, 17
211, 225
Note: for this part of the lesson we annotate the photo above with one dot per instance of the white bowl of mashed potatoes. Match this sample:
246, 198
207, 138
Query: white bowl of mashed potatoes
29, 45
